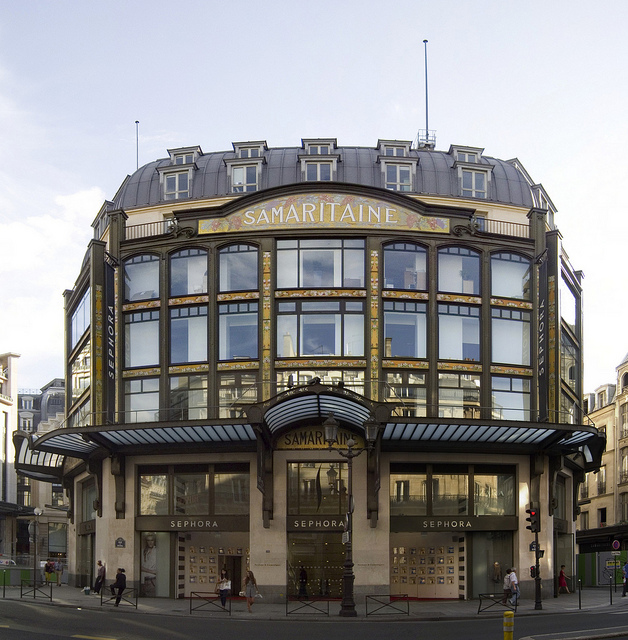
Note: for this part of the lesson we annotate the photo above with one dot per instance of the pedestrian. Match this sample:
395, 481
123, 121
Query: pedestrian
507, 591
224, 586
250, 589
49, 570
100, 577
302, 582
514, 586
59, 570
624, 570
120, 585
562, 580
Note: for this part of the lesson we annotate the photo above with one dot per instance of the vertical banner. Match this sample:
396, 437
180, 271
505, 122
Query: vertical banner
110, 344
542, 327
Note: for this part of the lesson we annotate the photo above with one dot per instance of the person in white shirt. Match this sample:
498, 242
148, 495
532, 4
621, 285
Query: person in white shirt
514, 586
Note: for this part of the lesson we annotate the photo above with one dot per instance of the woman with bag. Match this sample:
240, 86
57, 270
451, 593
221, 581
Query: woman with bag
250, 589
224, 586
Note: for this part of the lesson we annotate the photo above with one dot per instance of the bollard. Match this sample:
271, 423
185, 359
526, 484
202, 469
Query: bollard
509, 625
579, 593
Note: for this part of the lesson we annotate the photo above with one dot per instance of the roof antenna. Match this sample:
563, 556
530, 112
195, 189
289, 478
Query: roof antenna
137, 145
426, 139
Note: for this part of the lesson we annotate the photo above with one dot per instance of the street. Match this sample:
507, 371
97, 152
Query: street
19, 620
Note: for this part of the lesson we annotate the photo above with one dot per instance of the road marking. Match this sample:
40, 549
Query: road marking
93, 637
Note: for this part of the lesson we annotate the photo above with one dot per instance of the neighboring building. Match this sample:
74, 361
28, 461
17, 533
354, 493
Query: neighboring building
231, 303
603, 498
41, 411
12, 534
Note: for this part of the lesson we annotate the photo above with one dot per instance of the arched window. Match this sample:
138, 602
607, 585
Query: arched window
238, 268
405, 266
141, 278
459, 270
510, 275
188, 272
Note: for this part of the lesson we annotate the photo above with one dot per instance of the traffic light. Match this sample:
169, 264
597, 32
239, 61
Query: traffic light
533, 571
534, 520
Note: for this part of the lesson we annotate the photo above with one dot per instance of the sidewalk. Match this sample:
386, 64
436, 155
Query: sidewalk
591, 599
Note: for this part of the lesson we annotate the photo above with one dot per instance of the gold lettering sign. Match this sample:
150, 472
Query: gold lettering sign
331, 210
314, 438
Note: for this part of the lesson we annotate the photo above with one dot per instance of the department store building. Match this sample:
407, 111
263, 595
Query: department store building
230, 303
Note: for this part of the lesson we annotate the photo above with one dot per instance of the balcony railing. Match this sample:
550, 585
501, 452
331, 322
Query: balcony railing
623, 476
514, 229
584, 493
601, 488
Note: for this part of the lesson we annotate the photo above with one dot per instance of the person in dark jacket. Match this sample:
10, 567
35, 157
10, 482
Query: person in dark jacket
100, 578
120, 585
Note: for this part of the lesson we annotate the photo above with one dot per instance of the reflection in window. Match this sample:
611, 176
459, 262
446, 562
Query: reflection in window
510, 336
231, 493
141, 339
494, 494
459, 270
188, 397
236, 390
80, 372
320, 263
82, 417
406, 390
458, 395
405, 266
141, 400
511, 398
450, 494
405, 325
569, 365
408, 494
141, 278
188, 272
317, 488
237, 330
153, 498
352, 379
238, 268
88, 501
320, 328
191, 494
188, 334
398, 177
244, 179
568, 305
510, 276
458, 332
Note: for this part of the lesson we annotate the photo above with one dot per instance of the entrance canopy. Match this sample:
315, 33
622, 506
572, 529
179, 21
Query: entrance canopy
42, 456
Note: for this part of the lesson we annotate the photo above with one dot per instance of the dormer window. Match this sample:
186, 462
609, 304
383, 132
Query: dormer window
176, 178
250, 149
320, 149
394, 151
474, 176
324, 167
245, 170
319, 146
184, 155
183, 158
176, 185
394, 148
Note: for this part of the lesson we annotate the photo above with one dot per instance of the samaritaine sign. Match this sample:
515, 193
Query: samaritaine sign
336, 210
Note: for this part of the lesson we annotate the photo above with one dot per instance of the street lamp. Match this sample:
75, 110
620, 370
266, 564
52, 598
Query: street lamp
371, 429
37, 512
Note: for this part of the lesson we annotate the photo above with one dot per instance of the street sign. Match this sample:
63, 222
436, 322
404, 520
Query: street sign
345, 537
615, 553
533, 546
616, 544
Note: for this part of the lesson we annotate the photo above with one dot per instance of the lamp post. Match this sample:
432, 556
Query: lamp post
371, 429
37, 512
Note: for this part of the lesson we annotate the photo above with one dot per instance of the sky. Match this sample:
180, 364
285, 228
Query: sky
543, 81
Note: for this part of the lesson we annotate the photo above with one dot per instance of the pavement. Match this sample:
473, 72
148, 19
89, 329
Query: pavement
379, 607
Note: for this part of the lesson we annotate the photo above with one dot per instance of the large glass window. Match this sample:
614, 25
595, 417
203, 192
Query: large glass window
80, 372
188, 272
141, 400
191, 493
405, 266
176, 185
511, 336
408, 493
231, 491
493, 493
352, 379
474, 184
317, 488
318, 171
320, 263
80, 319
569, 369
398, 177
511, 398
320, 328
510, 275
141, 339
568, 305
244, 179
237, 331
153, 498
459, 270
141, 278
450, 493
89, 497
238, 268
405, 325
236, 390
458, 395
458, 332
188, 397
407, 390
188, 334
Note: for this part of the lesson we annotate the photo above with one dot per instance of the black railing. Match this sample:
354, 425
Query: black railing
382, 605
315, 606
209, 603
